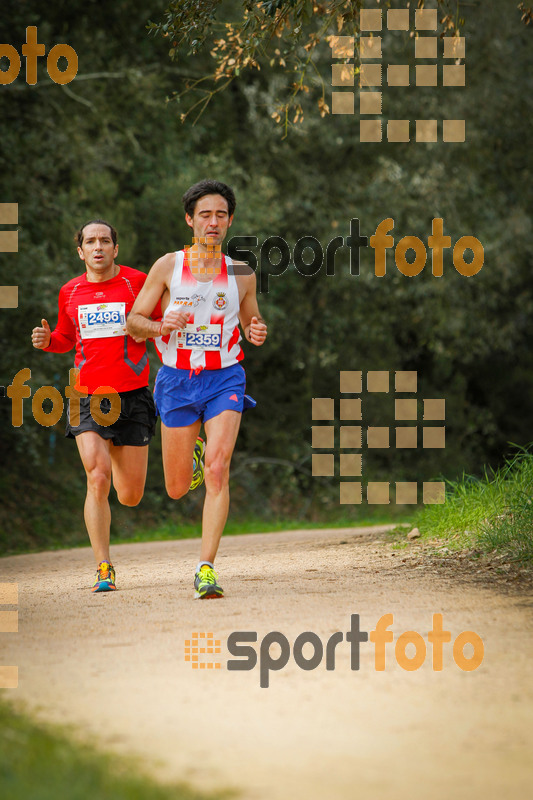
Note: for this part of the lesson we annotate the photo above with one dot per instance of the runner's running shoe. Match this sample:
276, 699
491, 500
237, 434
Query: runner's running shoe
105, 578
197, 464
206, 584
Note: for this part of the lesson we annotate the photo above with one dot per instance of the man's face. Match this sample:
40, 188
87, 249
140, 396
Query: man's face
211, 219
97, 249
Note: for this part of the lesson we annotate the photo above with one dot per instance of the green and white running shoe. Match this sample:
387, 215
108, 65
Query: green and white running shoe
206, 584
197, 464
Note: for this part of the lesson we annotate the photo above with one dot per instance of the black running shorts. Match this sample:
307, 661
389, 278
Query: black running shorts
135, 426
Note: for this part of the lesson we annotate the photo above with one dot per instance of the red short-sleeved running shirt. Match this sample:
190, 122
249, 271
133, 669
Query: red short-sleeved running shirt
92, 317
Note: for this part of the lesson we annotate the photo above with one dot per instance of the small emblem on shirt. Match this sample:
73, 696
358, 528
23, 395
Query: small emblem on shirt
221, 301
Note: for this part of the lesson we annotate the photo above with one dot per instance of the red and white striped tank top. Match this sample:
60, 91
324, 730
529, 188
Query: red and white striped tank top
211, 339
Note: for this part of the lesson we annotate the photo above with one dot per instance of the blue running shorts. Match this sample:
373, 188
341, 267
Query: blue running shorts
183, 396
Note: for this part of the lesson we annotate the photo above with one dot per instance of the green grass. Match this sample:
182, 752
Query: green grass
40, 763
178, 530
491, 513
125, 531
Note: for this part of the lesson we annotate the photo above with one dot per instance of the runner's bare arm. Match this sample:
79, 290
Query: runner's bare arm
252, 323
139, 324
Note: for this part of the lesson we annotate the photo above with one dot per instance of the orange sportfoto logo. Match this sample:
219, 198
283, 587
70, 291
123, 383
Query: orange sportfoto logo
272, 652
31, 51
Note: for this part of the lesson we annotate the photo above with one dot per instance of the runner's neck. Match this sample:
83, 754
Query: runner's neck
95, 277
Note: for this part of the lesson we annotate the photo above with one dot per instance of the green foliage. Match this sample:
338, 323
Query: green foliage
512, 530
171, 531
186, 22
109, 145
42, 764
494, 512
291, 36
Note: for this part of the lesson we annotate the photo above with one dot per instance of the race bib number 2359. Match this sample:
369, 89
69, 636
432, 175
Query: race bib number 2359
200, 337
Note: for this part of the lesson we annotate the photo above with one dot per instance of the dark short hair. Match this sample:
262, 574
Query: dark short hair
78, 237
208, 186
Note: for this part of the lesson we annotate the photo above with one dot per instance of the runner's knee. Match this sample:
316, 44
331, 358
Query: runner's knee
99, 481
177, 489
217, 472
130, 496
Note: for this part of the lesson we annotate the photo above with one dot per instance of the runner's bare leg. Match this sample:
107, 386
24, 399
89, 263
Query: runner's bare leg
221, 434
96, 459
178, 446
102, 460
128, 467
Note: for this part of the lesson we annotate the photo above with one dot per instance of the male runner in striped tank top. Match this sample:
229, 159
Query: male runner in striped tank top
204, 296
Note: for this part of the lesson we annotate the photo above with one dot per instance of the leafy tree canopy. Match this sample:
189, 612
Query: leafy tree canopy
286, 35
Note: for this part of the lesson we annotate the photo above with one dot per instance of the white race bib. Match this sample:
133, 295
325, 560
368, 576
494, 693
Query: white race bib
101, 320
200, 337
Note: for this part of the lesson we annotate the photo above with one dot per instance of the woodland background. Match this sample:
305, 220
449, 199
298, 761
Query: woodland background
112, 144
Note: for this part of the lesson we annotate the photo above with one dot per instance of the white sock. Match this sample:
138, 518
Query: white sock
201, 563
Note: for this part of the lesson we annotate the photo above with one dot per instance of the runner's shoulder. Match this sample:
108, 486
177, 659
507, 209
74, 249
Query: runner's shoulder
136, 276
67, 287
164, 264
126, 272
73, 281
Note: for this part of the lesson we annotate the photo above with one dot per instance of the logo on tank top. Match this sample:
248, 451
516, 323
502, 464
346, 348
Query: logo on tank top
221, 301
189, 302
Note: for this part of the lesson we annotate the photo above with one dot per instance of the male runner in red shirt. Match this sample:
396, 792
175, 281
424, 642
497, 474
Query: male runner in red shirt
204, 296
92, 317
